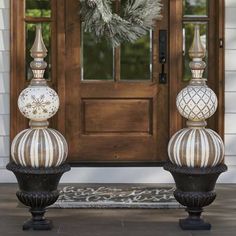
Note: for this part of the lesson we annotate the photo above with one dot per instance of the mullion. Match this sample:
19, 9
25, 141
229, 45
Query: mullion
190, 19
37, 20
117, 51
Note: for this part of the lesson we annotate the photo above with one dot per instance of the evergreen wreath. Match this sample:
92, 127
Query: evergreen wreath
137, 19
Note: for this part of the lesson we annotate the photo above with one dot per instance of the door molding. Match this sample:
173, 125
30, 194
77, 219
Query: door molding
17, 67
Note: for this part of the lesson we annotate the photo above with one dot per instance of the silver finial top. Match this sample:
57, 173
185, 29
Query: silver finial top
38, 52
197, 52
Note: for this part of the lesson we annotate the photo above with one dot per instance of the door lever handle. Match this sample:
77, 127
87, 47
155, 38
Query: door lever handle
162, 55
163, 75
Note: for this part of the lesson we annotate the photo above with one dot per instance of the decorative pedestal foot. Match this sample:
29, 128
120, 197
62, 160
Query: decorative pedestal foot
38, 190
194, 221
37, 222
195, 190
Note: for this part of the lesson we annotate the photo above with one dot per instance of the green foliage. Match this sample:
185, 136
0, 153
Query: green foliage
38, 8
138, 18
195, 7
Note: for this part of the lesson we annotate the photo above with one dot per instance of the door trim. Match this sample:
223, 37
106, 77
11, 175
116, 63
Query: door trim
18, 82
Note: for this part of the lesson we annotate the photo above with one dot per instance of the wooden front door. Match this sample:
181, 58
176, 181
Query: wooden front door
119, 114
113, 108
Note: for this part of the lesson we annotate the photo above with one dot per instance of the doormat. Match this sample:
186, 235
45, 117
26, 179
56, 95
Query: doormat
116, 196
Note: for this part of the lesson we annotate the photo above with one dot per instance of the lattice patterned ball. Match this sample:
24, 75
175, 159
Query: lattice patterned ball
196, 103
38, 103
39, 148
193, 147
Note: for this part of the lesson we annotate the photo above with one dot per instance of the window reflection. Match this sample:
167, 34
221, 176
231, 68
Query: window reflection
97, 58
136, 59
195, 8
188, 33
38, 8
30, 36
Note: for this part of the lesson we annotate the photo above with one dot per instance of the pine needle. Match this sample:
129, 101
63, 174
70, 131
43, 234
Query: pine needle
139, 18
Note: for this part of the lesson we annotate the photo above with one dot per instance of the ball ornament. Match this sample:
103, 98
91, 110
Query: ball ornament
196, 102
193, 147
39, 148
38, 103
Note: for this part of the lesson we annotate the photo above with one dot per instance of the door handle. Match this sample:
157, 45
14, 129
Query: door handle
162, 55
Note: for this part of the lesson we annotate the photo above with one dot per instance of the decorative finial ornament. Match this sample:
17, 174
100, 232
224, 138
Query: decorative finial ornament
39, 146
38, 153
197, 50
196, 153
196, 146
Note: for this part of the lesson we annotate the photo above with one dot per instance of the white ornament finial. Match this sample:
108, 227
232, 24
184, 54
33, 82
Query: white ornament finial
196, 146
39, 146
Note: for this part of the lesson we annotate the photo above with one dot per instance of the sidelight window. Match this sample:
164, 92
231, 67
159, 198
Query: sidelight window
38, 12
194, 12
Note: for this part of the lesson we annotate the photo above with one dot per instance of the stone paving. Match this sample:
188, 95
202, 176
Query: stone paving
122, 222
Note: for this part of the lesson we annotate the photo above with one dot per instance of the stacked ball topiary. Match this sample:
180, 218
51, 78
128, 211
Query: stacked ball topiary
39, 146
196, 146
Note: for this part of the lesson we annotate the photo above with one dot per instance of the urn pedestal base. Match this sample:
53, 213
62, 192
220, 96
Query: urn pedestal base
38, 190
195, 190
37, 224
194, 224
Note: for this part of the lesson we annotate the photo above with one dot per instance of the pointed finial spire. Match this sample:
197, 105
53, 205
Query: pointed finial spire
38, 52
38, 49
197, 52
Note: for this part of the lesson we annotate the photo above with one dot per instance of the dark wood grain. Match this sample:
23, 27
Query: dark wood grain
117, 116
131, 138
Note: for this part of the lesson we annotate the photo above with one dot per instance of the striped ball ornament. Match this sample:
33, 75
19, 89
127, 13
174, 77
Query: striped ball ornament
39, 148
193, 147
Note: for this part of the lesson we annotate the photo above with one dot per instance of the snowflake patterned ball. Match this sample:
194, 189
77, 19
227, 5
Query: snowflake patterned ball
38, 103
196, 103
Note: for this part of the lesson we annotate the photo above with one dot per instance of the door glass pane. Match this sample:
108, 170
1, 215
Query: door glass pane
136, 59
38, 8
195, 8
30, 37
188, 33
97, 58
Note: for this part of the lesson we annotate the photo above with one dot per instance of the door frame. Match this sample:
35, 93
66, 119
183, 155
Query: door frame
18, 82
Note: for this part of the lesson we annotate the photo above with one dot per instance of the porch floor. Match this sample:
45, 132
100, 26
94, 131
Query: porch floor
125, 222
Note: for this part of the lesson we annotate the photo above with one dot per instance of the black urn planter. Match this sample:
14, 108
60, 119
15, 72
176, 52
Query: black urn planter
195, 190
38, 190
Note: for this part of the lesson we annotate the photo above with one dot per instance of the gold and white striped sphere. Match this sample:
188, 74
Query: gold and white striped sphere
194, 147
39, 148
196, 103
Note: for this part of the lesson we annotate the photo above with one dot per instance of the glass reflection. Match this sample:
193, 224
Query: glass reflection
30, 36
38, 8
188, 32
97, 58
136, 59
195, 8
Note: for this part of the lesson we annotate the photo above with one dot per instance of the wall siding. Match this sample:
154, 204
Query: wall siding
122, 175
230, 84
4, 83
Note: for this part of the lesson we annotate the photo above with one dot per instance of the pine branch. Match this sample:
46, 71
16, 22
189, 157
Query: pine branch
139, 17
